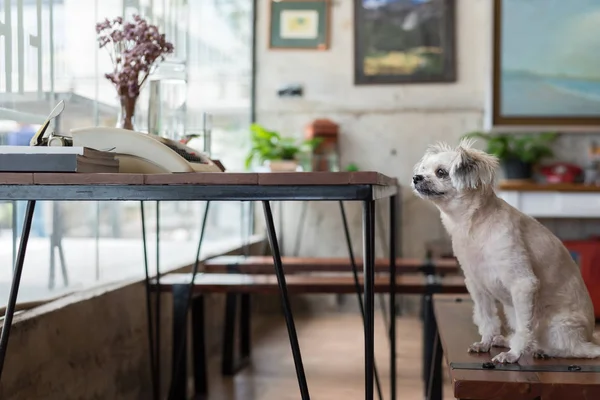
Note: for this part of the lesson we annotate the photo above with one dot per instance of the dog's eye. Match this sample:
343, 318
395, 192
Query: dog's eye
440, 173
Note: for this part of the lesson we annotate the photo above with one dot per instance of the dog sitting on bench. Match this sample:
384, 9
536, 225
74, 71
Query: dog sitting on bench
507, 257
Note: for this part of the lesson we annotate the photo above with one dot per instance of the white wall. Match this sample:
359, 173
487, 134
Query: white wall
384, 127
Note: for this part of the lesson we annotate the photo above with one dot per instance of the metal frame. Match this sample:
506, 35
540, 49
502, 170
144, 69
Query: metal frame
365, 193
357, 285
180, 322
143, 192
16, 282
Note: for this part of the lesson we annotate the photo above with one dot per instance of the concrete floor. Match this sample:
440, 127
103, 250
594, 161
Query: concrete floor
332, 350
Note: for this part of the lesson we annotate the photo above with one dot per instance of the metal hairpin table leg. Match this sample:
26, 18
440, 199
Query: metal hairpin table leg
369, 277
179, 343
157, 304
14, 232
357, 285
155, 394
287, 311
16, 281
432, 362
392, 249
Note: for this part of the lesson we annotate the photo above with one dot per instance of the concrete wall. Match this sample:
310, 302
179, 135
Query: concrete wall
94, 345
383, 127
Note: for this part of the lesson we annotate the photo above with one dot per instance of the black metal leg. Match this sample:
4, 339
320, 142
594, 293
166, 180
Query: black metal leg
392, 249
289, 319
357, 285
149, 307
179, 371
229, 365
369, 302
199, 347
16, 281
14, 232
63, 264
157, 304
245, 325
180, 349
432, 359
227, 368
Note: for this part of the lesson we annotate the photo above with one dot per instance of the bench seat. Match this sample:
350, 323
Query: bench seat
457, 332
294, 265
316, 283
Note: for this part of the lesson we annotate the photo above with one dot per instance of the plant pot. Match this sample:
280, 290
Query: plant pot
516, 169
283, 165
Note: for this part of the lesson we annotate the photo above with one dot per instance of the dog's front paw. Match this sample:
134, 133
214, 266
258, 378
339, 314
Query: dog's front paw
500, 341
506, 357
480, 347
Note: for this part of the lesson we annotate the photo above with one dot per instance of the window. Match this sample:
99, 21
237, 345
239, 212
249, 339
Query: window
49, 52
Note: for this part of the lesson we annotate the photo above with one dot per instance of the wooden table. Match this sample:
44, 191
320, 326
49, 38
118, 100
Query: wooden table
366, 187
471, 381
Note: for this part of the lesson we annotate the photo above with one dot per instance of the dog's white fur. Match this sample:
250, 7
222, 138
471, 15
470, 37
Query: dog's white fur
507, 257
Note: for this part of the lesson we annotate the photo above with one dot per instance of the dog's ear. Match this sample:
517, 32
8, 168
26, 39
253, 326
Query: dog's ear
472, 168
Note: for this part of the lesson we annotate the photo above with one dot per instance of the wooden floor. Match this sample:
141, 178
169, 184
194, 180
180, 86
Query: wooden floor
332, 350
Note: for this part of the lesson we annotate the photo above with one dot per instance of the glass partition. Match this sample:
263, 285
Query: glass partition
50, 53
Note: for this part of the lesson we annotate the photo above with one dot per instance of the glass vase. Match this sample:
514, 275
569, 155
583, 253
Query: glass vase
126, 118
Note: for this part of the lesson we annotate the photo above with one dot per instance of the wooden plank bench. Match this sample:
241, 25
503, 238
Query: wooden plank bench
470, 380
296, 265
321, 283
208, 283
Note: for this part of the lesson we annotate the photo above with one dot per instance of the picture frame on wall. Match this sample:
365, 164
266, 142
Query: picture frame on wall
404, 41
299, 24
545, 64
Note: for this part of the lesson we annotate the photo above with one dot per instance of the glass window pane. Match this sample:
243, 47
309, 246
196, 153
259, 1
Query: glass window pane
56, 57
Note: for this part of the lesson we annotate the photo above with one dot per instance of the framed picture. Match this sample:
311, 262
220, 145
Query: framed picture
546, 63
404, 41
299, 24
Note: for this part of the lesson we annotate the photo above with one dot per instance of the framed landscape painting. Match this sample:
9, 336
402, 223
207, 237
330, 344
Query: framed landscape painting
404, 41
546, 63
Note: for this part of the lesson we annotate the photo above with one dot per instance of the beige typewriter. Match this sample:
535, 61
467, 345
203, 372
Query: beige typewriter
137, 152
143, 153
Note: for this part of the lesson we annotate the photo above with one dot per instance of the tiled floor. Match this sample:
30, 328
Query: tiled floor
332, 350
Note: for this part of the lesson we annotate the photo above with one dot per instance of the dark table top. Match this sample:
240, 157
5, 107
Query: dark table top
457, 332
198, 186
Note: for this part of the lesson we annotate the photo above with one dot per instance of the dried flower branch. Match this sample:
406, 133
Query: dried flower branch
135, 48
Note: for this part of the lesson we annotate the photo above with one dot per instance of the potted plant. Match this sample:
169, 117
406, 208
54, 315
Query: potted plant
517, 153
280, 153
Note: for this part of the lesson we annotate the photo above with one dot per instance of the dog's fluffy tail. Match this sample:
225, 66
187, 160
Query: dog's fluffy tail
587, 349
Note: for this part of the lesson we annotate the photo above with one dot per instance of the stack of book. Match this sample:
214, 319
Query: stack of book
56, 159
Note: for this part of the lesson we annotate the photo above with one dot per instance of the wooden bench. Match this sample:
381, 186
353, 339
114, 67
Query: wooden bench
523, 381
297, 265
208, 283
315, 283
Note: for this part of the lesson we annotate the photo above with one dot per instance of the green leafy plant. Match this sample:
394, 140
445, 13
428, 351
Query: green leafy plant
529, 148
352, 167
270, 145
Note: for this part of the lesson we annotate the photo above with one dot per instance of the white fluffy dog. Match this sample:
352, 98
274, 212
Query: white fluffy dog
507, 257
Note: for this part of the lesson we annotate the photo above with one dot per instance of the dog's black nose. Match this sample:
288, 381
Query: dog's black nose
417, 179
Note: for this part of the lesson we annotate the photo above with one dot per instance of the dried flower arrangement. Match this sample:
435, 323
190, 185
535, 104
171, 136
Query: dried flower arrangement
135, 49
